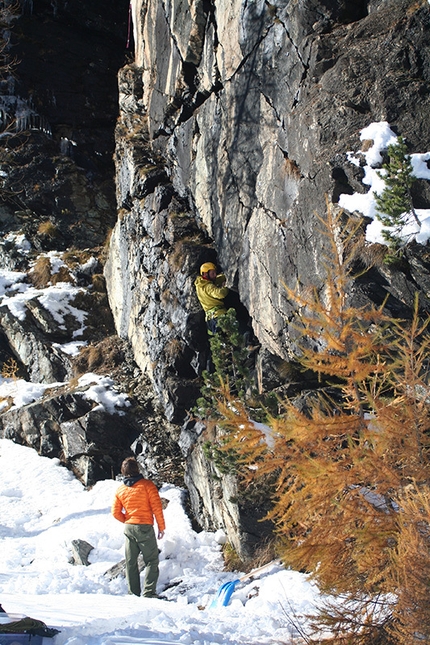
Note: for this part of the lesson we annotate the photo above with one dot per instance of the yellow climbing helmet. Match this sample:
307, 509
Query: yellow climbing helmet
207, 266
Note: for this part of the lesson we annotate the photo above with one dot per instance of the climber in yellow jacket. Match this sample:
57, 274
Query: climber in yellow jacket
211, 291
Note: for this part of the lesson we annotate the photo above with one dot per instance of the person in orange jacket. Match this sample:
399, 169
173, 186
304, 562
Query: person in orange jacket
135, 504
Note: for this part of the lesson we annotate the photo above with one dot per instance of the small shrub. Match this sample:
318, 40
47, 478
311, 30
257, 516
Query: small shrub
230, 366
99, 283
394, 204
41, 276
62, 275
184, 248
41, 273
10, 369
98, 321
265, 553
105, 248
102, 358
48, 229
232, 561
75, 257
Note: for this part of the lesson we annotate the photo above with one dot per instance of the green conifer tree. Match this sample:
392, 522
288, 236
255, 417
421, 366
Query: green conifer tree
230, 365
394, 205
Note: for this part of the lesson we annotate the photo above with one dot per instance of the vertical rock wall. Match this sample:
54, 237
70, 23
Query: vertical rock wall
235, 122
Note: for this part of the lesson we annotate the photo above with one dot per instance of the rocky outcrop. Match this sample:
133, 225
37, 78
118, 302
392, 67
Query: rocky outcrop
57, 117
236, 120
89, 440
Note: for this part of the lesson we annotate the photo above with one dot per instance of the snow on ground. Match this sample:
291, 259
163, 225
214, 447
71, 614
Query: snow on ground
15, 393
43, 508
371, 160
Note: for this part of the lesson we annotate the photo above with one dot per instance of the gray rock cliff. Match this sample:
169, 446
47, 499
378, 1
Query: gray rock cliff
235, 123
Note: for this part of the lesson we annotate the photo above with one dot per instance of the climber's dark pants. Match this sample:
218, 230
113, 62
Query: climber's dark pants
140, 538
212, 326
244, 329
212, 329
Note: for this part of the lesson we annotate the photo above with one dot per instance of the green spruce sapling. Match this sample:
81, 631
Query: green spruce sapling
230, 365
394, 204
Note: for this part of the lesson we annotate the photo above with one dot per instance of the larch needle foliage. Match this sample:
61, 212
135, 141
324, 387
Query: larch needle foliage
352, 500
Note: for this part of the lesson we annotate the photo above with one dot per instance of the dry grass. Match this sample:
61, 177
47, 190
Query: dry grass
292, 168
232, 561
133, 127
74, 257
10, 369
271, 10
264, 554
173, 348
373, 255
183, 249
90, 359
366, 145
105, 248
168, 298
48, 229
41, 274
147, 169
99, 322
99, 283
416, 6
73, 383
6, 402
102, 358
63, 275
176, 259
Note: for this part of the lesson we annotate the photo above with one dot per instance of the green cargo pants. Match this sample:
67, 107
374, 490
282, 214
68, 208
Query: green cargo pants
140, 538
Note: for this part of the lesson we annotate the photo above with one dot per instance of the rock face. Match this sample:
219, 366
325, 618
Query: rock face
90, 441
235, 123
238, 117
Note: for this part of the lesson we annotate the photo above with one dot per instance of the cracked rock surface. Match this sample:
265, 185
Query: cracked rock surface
235, 122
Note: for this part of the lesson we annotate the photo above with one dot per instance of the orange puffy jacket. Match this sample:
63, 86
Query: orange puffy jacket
138, 504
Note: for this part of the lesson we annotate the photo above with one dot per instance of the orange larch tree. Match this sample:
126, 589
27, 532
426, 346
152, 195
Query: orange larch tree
350, 504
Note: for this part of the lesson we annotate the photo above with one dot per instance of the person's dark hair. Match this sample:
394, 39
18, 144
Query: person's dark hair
130, 467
